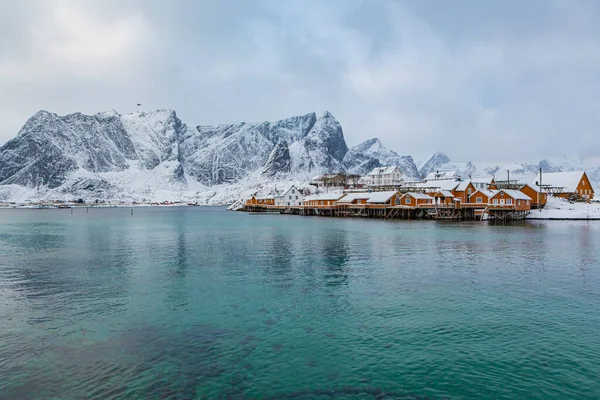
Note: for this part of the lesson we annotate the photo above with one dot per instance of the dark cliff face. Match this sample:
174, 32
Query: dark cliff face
49, 147
279, 162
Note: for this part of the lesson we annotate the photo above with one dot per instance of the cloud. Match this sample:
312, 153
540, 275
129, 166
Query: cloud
510, 80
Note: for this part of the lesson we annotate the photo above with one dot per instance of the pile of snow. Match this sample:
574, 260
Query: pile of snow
558, 208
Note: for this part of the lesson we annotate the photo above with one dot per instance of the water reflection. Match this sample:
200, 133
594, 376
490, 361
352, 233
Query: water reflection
335, 255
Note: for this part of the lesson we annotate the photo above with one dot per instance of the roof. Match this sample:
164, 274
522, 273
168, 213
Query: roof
515, 194
350, 197
532, 186
323, 196
264, 196
441, 175
486, 192
442, 185
383, 170
445, 193
462, 185
418, 195
381, 197
567, 180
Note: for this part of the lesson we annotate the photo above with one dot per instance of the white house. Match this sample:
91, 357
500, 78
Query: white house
385, 176
290, 197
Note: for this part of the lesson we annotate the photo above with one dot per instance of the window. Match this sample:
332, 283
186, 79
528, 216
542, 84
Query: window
479, 200
293, 191
582, 183
288, 203
495, 201
296, 197
470, 191
508, 201
290, 197
408, 200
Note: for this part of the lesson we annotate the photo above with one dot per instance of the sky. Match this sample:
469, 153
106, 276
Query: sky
479, 80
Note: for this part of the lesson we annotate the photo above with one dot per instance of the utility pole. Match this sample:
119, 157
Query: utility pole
540, 195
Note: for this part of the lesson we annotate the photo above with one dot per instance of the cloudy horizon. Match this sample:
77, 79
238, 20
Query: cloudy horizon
500, 81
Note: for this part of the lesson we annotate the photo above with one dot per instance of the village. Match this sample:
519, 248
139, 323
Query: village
445, 195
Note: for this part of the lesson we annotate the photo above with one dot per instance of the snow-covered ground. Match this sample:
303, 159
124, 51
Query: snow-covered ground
557, 208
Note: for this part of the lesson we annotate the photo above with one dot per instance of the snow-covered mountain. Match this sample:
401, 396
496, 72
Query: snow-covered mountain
522, 171
433, 164
361, 159
154, 155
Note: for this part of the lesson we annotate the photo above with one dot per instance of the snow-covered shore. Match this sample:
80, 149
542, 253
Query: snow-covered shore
560, 209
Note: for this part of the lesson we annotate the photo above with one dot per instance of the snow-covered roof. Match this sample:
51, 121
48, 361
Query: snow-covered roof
415, 195
567, 180
323, 196
264, 196
486, 192
445, 193
285, 190
515, 194
437, 175
350, 197
383, 170
441, 185
381, 197
532, 186
462, 186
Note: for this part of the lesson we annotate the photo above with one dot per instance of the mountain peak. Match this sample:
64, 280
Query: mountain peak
434, 162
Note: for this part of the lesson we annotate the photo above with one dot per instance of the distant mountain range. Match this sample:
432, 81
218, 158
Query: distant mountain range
154, 156
523, 171
148, 155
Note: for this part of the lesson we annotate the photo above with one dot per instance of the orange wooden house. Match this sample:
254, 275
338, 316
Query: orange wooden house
464, 190
482, 196
385, 198
354, 198
513, 199
322, 199
412, 199
443, 197
266, 200
538, 199
572, 183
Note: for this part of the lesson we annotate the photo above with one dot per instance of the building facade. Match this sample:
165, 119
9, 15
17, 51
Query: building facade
385, 176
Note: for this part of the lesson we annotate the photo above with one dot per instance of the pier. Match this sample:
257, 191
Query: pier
452, 212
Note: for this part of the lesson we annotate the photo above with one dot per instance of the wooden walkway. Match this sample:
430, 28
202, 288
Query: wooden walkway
458, 212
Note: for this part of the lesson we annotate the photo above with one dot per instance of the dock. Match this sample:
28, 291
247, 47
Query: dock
452, 212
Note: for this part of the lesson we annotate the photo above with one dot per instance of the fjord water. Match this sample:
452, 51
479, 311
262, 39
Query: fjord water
203, 303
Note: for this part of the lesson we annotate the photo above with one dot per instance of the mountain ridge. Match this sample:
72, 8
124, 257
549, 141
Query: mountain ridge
144, 153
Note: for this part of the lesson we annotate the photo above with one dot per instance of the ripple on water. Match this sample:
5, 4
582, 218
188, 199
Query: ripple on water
201, 303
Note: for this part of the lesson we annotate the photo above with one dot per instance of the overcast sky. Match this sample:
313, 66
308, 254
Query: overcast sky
502, 80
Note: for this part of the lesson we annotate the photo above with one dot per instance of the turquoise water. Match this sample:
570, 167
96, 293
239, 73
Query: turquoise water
184, 303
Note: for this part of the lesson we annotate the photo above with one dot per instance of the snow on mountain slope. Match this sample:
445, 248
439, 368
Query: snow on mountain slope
433, 164
143, 154
361, 159
153, 155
